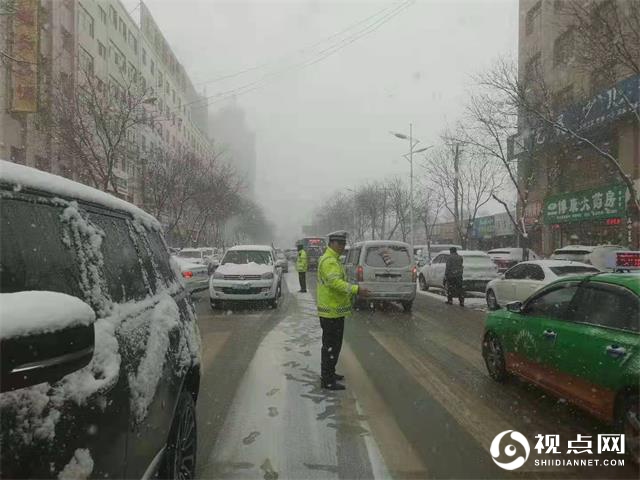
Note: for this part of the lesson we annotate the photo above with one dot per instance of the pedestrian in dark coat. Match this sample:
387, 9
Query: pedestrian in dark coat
453, 277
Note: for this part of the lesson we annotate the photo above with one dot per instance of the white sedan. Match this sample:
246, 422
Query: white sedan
525, 278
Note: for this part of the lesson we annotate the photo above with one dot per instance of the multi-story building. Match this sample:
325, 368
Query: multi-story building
73, 37
231, 133
576, 196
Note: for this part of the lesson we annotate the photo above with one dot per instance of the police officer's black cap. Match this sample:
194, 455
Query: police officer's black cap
339, 236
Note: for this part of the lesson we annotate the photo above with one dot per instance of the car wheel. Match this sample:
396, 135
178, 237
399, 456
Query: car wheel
423, 283
407, 306
492, 301
628, 423
493, 355
180, 457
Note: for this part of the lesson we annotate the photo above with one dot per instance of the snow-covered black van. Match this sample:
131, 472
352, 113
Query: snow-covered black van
100, 350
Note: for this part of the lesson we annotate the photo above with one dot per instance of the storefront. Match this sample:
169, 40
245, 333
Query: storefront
588, 217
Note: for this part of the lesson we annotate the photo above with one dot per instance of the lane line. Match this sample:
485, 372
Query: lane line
398, 453
472, 414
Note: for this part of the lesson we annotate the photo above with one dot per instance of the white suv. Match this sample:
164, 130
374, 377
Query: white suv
246, 273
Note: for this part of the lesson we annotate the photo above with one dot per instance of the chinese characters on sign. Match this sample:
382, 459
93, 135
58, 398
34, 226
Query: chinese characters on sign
24, 69
605, 107
583, 444
604, 202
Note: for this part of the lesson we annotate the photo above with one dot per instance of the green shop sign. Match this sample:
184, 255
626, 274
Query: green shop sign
585, 205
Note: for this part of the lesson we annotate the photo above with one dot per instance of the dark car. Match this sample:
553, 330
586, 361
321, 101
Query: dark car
100, 348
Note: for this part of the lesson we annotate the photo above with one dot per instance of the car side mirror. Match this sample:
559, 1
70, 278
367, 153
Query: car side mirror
514, 307
43, 337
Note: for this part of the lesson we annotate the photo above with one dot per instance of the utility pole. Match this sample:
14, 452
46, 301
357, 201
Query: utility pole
456, 170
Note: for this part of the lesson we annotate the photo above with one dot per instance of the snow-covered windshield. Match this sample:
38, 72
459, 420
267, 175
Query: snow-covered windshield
247, 256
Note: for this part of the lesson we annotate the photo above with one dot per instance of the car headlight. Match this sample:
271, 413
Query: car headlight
217, 276
267, 276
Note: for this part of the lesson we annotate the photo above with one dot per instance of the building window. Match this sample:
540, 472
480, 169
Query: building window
85, 21
103, 15
160, 81
18, 155
67, 40
166, 87
123, 29
533, 68
86, 61
562, 99
114, 17
133, 41
144, 56
132, 71
102, 50
43, 163
532, 16
563, 48
152, 67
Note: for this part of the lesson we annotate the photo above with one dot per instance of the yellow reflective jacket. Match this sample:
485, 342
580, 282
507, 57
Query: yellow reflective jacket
302, 263
334, 292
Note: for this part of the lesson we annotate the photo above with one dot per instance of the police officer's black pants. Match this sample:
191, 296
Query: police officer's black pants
302, 276
332, 331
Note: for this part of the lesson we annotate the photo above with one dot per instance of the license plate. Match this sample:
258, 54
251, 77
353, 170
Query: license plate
242, 287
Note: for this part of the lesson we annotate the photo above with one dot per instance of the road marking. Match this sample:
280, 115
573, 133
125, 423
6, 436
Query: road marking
212, 344
462, 349
398, 453
472, 414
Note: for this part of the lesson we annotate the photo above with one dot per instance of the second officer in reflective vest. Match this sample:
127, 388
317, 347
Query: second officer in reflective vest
334, 301
302, 265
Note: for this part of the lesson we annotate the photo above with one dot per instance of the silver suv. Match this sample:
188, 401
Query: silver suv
386, 268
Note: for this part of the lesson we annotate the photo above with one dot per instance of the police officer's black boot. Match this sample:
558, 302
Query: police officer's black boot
331, 384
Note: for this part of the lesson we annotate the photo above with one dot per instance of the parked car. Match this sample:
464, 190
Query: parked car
201, 255
601, 256
386, 268
578, 338
247, 273
281, 261
291, 253
436, 248
479, 270
195, 275
100, 357
505, 258
524, 279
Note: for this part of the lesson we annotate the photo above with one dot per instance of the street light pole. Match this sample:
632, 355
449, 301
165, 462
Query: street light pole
355, 220
411, 181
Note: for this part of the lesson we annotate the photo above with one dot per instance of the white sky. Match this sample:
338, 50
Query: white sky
325, 127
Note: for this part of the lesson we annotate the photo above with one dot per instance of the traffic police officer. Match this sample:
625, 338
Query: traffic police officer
302, 264
334, 303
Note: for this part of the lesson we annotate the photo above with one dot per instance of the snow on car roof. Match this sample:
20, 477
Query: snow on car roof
555, 263
26, 177
472, 253
265, 248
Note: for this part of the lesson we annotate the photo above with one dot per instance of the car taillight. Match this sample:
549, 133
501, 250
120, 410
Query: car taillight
414, 273
360, 273
187, 274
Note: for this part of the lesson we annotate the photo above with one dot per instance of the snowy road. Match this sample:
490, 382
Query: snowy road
419, 403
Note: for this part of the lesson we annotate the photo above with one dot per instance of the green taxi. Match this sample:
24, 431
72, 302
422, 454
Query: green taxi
578, 338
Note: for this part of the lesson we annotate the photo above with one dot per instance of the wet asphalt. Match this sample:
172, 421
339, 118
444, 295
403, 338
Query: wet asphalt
418, 404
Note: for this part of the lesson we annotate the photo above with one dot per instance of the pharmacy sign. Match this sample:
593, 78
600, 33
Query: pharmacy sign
585, 205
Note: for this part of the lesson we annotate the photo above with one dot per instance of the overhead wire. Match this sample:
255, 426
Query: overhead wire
297, 52
319, 56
